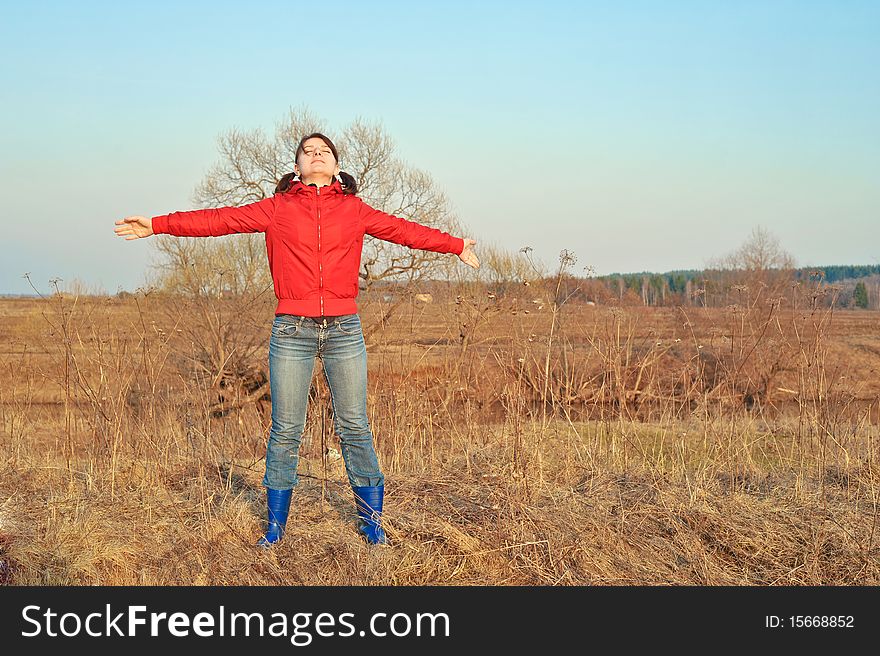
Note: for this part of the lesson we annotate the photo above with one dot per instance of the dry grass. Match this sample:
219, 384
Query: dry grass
585, 448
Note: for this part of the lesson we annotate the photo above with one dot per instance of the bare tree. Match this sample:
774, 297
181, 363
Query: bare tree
224, 284
250, 166
762, 252
759, 269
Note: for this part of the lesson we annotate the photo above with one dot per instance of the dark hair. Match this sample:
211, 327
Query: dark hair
349, 184
284, 183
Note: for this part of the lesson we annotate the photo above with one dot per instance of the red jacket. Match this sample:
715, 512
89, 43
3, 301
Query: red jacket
314, 238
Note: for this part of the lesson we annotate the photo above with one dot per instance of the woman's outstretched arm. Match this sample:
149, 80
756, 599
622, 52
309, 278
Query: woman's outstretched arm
254, 217
415, 235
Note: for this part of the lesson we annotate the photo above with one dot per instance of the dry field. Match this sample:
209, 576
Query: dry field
523, 444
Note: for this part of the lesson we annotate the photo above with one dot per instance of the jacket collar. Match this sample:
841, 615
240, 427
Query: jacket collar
311, 190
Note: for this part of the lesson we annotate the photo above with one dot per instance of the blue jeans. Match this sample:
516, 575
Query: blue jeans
295, 343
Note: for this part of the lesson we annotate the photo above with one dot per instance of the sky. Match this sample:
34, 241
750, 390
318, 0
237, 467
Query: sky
641, 136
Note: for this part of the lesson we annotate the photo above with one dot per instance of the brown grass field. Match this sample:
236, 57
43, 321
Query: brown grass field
578, 445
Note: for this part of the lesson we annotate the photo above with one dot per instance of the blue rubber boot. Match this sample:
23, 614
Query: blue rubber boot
369, 507
279, 507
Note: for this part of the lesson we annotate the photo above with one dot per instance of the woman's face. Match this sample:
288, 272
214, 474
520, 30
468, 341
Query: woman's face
316, 162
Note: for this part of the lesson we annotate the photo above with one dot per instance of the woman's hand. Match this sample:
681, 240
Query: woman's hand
134, 227
467, 254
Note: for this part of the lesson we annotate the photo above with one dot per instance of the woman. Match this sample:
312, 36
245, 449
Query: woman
315, 229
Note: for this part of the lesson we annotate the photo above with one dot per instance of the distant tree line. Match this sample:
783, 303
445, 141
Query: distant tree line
760, 270
853, 285
839, 272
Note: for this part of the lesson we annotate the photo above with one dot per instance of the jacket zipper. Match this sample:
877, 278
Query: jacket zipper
320, 255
